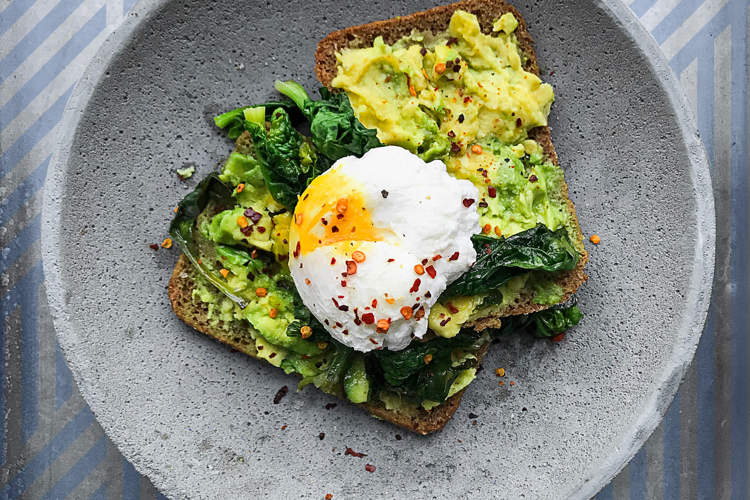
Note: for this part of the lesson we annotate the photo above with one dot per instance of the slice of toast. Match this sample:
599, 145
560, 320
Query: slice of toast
194, 312
436, 21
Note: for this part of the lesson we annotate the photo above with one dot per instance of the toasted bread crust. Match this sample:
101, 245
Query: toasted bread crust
195, 313
436, 21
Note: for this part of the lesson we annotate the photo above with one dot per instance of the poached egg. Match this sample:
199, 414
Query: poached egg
376, 240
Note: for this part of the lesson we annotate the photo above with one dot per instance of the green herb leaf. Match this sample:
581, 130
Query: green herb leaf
209, 189
536, 248
281, 150
546, 323
234, 121
407, 372
335, 130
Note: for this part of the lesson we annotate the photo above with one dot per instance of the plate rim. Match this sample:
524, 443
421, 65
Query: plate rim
701, 283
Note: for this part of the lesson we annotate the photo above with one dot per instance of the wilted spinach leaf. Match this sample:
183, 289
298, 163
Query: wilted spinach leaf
235, 119
286, 160
209, 189
335, 131
536, 248
407, 372
546, 323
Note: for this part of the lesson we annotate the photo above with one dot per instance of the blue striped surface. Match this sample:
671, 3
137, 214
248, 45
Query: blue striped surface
52, 448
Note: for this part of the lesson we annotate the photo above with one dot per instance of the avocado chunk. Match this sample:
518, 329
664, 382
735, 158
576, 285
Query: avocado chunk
356, 383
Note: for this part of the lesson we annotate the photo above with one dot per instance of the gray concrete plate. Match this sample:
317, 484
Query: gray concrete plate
198, 418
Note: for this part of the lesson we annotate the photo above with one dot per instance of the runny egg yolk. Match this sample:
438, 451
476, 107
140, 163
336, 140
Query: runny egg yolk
332, 210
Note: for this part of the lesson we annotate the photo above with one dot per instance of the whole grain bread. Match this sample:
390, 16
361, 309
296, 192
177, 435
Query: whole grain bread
237, 335
436, 21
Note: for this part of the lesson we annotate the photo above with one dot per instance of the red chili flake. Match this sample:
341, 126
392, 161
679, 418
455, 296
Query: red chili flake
357, 321
333, 260
261, 229
247, 230
467, 99
424, 261
485, 173
455, 147
431, 271
252, 215
374, 302
323, 221
451, 134
345, 332
437, 257
343, 308
154, 246
273, 355
374, 341
452, 40
558, 337
427, 294
343, 283
533, 178
453, 309
391, 260
341, 296
468, 202
339, 216
335, 302
351, 267
279, 395
453, 257
353, 453
518, 122
370, 468
488, 251
420, 313
482, 204
492, 191
445, 321
414, 288
329, 496
334, 229
283, 427
368, 318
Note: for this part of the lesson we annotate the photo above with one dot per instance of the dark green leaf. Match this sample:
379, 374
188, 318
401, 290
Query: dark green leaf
554, 321
234, 121
332, 379
536, 248
397, 366
546, 323
278, 150
335, 130
209, 189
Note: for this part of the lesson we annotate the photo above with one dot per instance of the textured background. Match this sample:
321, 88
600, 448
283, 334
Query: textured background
52, 448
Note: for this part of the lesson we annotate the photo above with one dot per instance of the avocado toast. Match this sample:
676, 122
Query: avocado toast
234, 282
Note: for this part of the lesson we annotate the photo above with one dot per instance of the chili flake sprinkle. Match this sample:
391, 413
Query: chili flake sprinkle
368, 318
498, 231
306, 331
487, 228
224, 272
358, 256
427, 358
453, 257
439, 68
382, 326
453, 309
370, 468
419, 269
167, 243
154, 246
273, 313
351, 267
242, 221
431, 271
240, 187
437, 257
414, 288
468, 202
261, 292
492, 191
329, 496
322, 345
500, 372
595, 239
406, 312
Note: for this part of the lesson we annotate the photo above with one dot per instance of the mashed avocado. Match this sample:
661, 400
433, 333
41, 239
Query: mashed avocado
433, 94
464, 97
